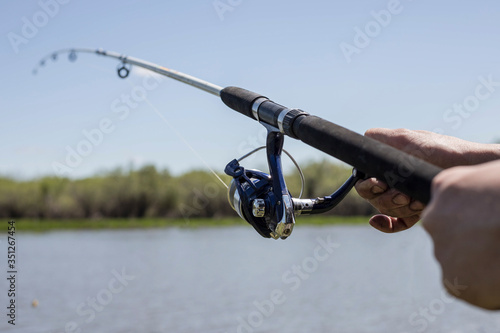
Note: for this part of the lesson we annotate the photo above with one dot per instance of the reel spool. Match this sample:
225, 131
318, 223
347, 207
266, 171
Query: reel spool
249, 196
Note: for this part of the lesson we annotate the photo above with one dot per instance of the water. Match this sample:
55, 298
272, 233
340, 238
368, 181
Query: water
232, 280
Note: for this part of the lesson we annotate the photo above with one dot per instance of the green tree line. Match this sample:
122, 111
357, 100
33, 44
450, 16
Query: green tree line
149, 192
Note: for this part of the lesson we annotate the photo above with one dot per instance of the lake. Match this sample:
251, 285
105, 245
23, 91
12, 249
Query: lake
321, 279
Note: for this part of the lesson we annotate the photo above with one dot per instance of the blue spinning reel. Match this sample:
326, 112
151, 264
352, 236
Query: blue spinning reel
264, 201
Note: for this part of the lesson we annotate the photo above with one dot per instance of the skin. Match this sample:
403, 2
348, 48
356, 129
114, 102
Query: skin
400, 212
463, 217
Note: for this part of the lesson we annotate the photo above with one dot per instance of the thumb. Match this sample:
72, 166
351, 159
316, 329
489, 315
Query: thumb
398, 138
417, 143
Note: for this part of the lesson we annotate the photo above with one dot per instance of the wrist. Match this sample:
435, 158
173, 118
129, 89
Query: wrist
483, 152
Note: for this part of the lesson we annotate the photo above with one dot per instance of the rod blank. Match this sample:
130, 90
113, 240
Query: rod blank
176, 75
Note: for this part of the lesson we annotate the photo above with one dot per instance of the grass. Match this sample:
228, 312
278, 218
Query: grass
85, 224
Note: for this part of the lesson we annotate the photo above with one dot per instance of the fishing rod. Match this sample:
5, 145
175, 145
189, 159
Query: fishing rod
262, 199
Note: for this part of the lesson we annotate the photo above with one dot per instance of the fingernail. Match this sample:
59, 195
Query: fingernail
377, 189
417, 205
400, 199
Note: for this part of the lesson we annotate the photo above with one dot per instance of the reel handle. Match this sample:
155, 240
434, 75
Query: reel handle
324, 204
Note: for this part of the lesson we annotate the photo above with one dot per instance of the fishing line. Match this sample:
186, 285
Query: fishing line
172, 128
302, 178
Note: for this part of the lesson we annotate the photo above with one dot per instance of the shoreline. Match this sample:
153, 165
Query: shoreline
40, 225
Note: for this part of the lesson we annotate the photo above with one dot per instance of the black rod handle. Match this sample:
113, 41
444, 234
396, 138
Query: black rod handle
239, 99
398, 169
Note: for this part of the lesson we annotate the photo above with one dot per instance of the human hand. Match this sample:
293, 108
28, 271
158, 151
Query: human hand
463, 219
399, 211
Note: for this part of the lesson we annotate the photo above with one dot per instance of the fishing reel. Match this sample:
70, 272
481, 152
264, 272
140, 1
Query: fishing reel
264, 201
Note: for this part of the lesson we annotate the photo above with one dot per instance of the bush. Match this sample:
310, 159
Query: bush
148, 192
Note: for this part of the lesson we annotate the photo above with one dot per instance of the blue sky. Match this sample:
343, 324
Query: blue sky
408, 70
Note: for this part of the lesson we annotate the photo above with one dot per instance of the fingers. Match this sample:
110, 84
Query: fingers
390, 224
421, 144
398, 138
417, 206
394, 203
380, 134
399, 211
370, 188
387, 201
